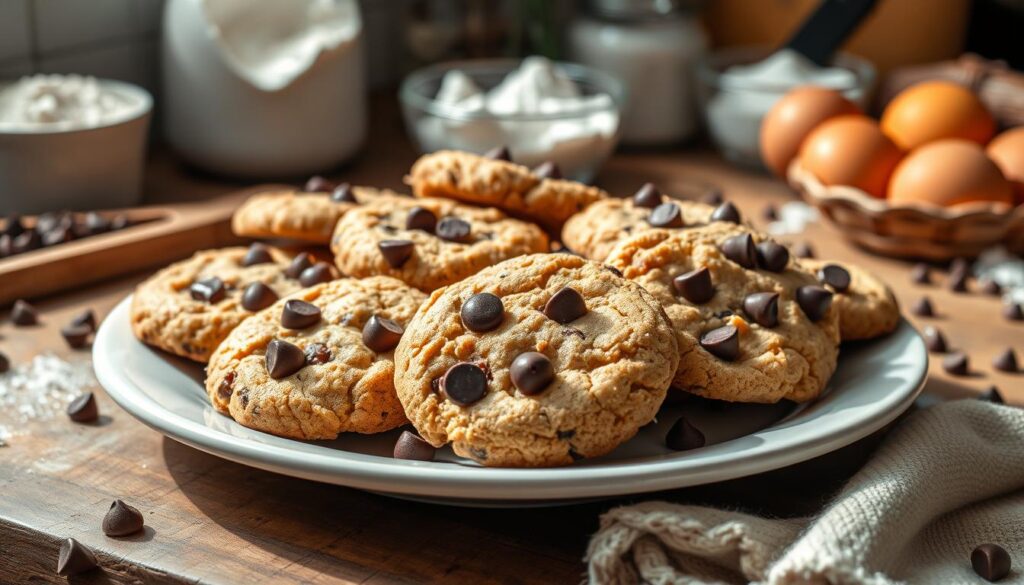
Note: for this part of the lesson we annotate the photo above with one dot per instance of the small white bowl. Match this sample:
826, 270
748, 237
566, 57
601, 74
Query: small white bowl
99, 167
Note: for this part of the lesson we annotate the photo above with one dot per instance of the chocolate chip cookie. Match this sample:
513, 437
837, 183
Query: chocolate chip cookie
309, 217
867, 306
594, 231
318, 363
189, 307
429, 243
539, 195
752, 325
537, 361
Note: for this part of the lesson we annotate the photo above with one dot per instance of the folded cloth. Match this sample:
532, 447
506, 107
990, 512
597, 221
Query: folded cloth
946, 479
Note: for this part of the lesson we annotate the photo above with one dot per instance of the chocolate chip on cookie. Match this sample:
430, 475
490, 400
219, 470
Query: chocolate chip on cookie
210, 290
284, 359
317, 353
257, 254
666, 215
499, 153
258, 296
381, 335
834, 276
763, 308
298, 314
318, 184
411, 446
396, 252
315, 274
299, 263
814, 300
565, 306
695, 286
741, 250
772, 257
421, 218
647, 196
531, 372
454, 229
683, 436
726, 212
548, 170
723, 342
344, 193
482, 312
464, 383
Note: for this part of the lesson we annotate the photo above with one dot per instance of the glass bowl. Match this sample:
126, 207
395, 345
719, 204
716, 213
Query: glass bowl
733, 112
578, 141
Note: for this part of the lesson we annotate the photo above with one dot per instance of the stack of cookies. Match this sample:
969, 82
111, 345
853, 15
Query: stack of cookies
448, 311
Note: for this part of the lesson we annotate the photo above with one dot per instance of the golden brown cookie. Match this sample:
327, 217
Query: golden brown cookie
429, 243
536, 361
189, 307
316, 364
298, 215
752, 324
512, 188
867, 306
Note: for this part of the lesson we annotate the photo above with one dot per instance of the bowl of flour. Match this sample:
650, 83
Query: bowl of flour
71, 142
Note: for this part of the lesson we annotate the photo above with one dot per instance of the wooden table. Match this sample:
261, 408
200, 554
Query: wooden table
210, 520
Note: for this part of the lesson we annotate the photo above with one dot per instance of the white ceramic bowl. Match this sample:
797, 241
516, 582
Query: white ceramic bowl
80, 169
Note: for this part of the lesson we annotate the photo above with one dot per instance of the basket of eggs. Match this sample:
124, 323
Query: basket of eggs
930, 180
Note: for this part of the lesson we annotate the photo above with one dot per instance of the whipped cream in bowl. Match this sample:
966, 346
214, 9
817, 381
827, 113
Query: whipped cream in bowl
541, 110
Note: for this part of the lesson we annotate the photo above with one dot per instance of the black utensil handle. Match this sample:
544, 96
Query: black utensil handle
828, 27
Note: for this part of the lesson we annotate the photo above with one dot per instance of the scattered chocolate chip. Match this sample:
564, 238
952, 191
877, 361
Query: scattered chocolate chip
991, 287
647, 196
992, 395
83, 409
1006, 361
58, 235
257, 254
499, 153
834, 276
316, 274
814, 300
317, 353
803, 250
76, 336
958, 281
298, 314
548, 170
87, 318
395, 252
712, 197
318, 184
763, 308
412, 447
683, 436
666, 215
122, 519
923, 308
956, 363
210, 290
284, 359
741, 250
921, 273
723, 342
769, 213
1013, 312
13, 226
26, 242
344, 193
990, 561
464, 383
74, 558
695, 286
421, 218
726, 212
531, 372
723, 314
454, 229
258, 296
565, 306
6, 246
934, 340
299, 263
381, 335
5, 363
482, 312
24, 314
772, 257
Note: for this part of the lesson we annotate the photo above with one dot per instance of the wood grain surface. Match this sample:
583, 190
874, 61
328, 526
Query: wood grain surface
213, 521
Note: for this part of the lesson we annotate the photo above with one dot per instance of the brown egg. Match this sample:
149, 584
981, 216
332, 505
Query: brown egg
851, 150
793, 117
1007, 151
949, 173
934, 110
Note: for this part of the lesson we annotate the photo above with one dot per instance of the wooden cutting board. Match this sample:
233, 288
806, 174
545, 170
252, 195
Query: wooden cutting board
165, 233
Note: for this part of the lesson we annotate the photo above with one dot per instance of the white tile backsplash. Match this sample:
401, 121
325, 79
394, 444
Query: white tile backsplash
15, 41
67, 24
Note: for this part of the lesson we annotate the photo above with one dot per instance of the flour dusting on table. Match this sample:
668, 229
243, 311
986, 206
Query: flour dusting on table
40, 390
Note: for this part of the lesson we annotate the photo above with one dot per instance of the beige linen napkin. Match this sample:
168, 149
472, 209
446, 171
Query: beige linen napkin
946, 479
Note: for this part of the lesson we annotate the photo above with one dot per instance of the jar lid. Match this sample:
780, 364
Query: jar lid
639, 9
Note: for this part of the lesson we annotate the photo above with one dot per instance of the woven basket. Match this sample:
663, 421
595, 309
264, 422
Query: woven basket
911, 231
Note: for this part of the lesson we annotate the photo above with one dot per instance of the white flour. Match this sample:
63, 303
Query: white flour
40, 390
62, 102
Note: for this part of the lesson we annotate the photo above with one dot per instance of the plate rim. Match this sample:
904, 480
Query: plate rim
444, 480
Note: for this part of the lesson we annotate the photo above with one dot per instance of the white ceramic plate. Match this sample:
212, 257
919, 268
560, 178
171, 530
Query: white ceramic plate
874, 383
